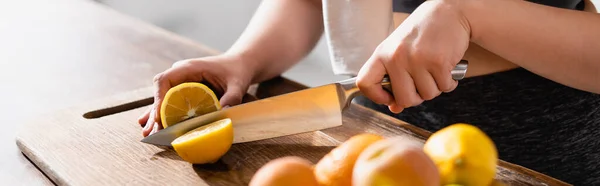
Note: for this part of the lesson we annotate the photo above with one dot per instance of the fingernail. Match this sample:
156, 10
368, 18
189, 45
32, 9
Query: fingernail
150, 119
148, 123
226, 107
391, 104
154, 129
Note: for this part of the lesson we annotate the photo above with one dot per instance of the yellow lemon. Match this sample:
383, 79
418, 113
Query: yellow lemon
185, 101
206, 144
464, 155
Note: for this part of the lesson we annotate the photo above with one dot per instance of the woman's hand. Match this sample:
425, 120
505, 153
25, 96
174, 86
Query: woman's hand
418, 57
228, 75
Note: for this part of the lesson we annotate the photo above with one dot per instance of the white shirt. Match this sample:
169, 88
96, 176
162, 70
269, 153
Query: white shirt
353, 29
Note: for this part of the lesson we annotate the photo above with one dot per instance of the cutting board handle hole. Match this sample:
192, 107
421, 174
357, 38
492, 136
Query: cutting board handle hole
119, 108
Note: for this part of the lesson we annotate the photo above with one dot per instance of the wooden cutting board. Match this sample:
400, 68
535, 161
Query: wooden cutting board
98, 143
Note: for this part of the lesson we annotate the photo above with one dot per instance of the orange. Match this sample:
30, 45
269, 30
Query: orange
206, 144
395, 161
335, 168
464, 155
185, 101
285, 171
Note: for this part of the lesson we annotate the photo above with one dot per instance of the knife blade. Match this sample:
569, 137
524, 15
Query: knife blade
287, 114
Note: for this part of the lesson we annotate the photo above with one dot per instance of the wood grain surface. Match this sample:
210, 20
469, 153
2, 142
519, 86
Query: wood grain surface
63, 54
73, 150
60, 53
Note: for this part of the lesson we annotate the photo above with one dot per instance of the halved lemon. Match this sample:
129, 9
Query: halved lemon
206, 144
185, 101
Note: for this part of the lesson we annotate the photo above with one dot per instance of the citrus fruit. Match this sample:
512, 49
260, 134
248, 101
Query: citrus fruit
395, 161
185, 101
464, 155
206, 144
285, 171
335, 168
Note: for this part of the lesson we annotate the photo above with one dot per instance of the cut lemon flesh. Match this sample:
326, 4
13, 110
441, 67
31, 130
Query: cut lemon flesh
187, 100
206, 144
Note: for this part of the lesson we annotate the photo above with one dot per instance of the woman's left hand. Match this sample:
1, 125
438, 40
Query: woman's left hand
418, 56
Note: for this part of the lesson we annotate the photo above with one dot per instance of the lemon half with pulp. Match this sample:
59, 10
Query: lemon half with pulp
185, 101
206, 144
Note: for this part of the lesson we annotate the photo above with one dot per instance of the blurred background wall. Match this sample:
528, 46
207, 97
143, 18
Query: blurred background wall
217, 24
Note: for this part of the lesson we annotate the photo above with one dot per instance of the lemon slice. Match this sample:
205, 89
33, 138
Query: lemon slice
206, 144
185, 101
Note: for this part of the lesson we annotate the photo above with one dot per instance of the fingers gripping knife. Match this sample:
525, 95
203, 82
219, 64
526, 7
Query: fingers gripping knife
297, 112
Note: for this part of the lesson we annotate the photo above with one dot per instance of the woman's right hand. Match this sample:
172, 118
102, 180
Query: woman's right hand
227, 75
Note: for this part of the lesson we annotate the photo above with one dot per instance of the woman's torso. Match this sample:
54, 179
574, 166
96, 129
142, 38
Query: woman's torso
535, 122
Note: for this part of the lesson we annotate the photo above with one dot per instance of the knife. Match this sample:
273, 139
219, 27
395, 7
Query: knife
292, 113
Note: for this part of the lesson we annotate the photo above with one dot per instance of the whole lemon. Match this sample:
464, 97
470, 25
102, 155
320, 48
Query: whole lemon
464, 155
